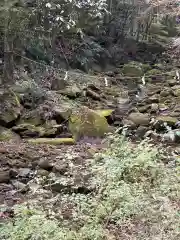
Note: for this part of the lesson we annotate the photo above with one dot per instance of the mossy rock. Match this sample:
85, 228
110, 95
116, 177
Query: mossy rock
171, 121
6, 134
29, 130
155, 74
10, 108
132, 70
86, 122
105, 112
32, 117
72, 91
51, 128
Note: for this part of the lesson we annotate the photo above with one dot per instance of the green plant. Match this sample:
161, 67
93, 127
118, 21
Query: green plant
134, 188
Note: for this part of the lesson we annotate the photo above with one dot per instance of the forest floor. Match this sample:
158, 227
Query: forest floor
110, 189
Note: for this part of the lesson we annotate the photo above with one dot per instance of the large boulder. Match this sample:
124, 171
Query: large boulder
139, 119
86, 122
10, 108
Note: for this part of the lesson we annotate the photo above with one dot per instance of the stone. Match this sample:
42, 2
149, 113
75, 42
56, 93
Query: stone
45, 164
32, 117
86, 122
4, 176
24, 172
153, 99
10, 107
28, 130
141, 131
139, 119
62, 112
175, 114
20, 186
132, 70
176, 92
154, 107
130, 124
72, 91
42, 172
166, 92
172, 82
155, 74
144, 108
61, 168
171, 121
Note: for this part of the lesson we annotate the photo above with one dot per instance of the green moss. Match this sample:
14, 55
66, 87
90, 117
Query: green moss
132, 69
87, 122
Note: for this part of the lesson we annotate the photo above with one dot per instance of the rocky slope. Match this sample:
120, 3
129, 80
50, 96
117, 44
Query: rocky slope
80, 110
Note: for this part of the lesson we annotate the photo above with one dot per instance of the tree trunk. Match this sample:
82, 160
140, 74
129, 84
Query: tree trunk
8, 53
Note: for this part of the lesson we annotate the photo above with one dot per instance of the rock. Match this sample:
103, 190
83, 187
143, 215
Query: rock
166, 92
176, 92
24, 172
7, 134
28, 130
93, 95
153, 89
51, 128
153, 99
171, 121
4, 176
45, 164
86, 122
172, 136
72, 91
61, 168
163, 107
130, 124
32, 117
144, 109
154, 107
132, 70
52, 141
10, 108
20, 186
172, 82
62, 112
29, 92
155, 74
139, 119
42, 172
175, 114
58, 83
141, 131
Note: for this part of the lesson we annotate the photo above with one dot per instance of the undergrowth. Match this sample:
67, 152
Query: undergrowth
137, 197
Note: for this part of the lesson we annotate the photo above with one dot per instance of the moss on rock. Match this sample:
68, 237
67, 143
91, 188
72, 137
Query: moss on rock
86, 122
132, 69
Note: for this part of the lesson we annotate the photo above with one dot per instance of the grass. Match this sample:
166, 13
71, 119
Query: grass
137, 198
